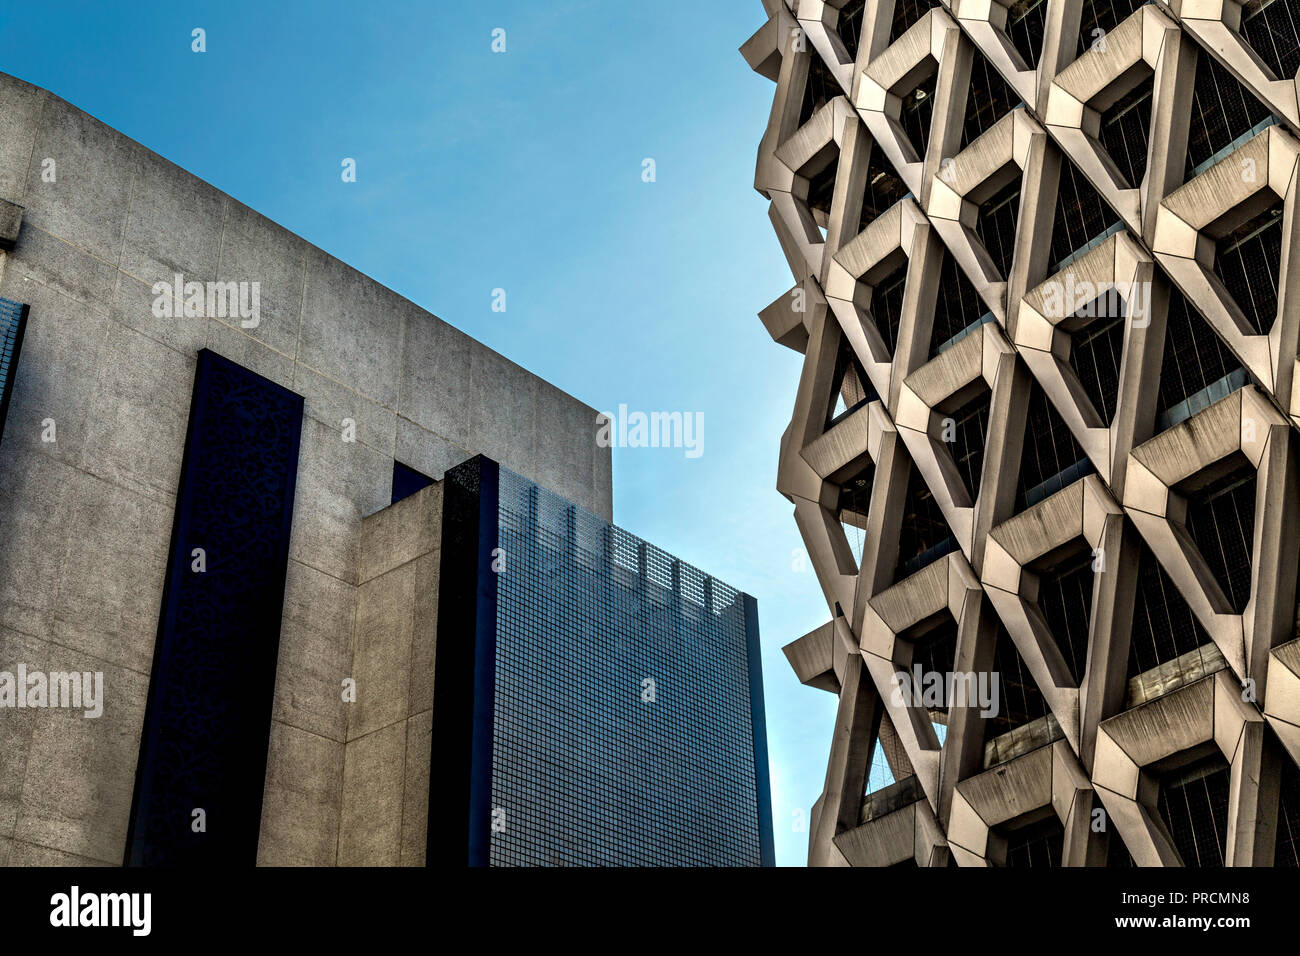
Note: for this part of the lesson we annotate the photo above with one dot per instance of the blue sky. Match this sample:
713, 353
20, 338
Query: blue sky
519, 171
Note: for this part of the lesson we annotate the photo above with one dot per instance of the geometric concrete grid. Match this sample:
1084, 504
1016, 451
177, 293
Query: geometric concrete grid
888, 159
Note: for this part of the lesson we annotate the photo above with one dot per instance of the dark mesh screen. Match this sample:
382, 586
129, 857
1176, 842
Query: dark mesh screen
1164, 627
1019, 699
822, 87
969, 424
1249, 260
1195, 356
1038, 844
1065, 598
852, 387
1025, 25
821, 189
935, 651
1194, 804
887, 306
1288, 817
1272, 28
918, 107
1095, 356
988, 100
13, 324
203, 742
1221, 520
1117, 854
906, 13
1081, 214
850, 25
924, 536
1222, 110
1100, 17
884, 188
1050, 452
996, 225
1124, 131
958, 305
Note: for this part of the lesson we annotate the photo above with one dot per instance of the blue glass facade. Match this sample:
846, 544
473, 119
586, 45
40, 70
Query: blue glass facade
626, 717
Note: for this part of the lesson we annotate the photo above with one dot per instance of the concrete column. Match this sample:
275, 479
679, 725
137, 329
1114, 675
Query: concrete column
1082, 846
963, 747
1175, 78
920, 295
1144, 349
1034, 223
1255, 787
1277, 511
850, 757
816, 394
770, 173
1074, 801
385, 784
1114, 591
1004, 440
876, 24
1284, 339
949, 115
1139, 824
884, 521
850, 188
1060, 36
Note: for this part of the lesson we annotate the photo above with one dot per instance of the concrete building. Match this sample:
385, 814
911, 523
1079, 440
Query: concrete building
213, 428
1044, 444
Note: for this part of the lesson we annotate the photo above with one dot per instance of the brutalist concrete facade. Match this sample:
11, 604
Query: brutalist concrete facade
92, 453
1042, 255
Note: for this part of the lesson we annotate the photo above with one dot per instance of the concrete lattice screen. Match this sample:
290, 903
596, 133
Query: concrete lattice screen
1054, 236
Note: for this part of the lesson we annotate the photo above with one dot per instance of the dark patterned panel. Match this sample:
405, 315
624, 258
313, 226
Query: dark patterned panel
208, 718
587, 770
461, 751
13, 320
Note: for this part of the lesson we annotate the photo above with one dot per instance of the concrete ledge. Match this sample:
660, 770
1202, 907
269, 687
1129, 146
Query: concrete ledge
811, 658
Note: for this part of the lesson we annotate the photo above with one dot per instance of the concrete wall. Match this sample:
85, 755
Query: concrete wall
86, 519
386, 758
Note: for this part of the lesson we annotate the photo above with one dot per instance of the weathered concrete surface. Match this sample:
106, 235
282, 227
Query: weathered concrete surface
87, 517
